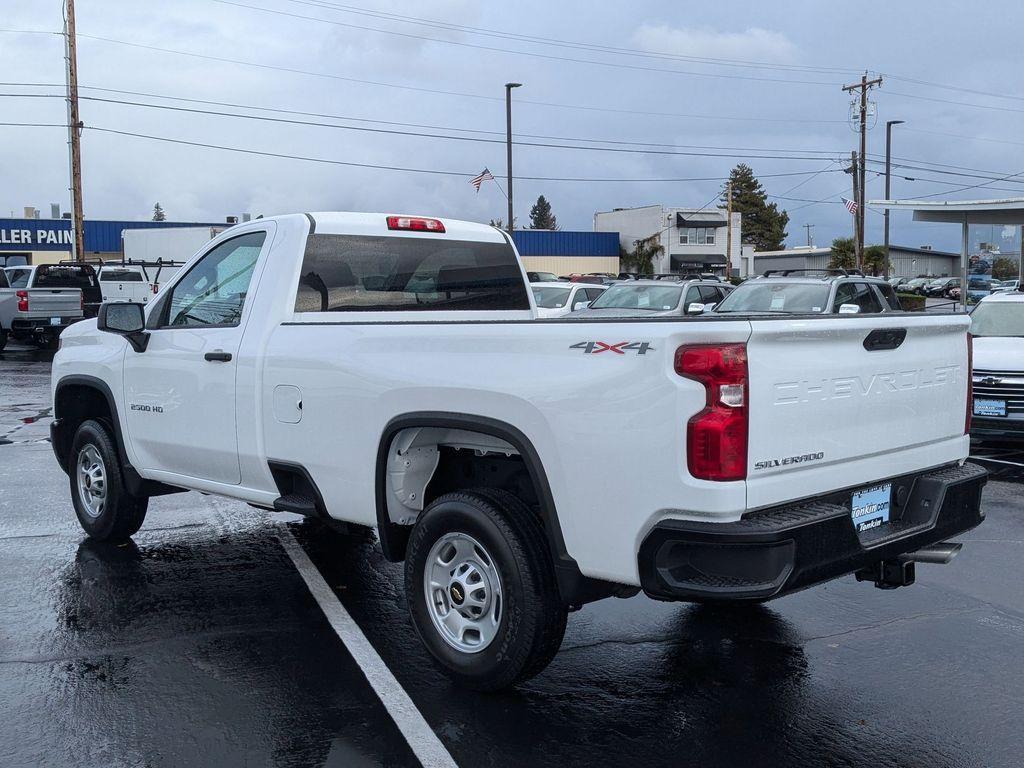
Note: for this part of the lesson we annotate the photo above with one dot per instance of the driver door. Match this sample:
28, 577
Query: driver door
180, 392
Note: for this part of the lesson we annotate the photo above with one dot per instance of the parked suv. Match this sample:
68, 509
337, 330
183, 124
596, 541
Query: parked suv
798, 291
654, 298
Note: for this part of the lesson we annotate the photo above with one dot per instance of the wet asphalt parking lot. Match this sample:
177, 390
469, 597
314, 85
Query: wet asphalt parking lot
201, 643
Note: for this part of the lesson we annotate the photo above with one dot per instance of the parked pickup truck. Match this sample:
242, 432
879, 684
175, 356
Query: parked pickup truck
136, 281
35, 314
389, 371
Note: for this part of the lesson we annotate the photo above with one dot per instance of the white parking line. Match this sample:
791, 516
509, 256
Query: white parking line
419, 735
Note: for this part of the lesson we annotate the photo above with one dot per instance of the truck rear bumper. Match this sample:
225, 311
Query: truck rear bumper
773, 552
34, 325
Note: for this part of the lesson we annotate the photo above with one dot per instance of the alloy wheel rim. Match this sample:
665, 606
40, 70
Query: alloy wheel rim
463, 592
92, 481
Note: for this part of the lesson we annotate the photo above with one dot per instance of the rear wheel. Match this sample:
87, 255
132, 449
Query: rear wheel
105, 508
481, 589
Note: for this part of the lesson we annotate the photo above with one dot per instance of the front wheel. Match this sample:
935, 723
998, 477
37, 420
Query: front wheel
480, 585
105, 508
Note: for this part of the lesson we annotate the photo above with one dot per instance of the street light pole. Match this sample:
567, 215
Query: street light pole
508, 145
888, 163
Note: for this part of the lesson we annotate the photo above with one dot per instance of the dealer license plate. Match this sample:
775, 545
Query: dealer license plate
870, 507
54, 321
986, 407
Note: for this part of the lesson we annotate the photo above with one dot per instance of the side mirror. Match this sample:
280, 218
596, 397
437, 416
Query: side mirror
126, 319
580, 305
695, 308
709, 307
848, 309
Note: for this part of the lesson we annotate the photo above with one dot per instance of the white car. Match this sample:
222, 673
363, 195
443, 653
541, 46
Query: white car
388, 371
559, 298
1007, 285
997, 330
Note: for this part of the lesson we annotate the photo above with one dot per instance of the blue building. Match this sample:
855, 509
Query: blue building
47, 241
564, 252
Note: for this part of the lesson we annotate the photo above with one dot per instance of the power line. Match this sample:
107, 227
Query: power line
462, 174
548, 56
427, 135
435, 91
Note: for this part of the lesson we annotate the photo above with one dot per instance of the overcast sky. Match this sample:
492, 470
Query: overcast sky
333, 64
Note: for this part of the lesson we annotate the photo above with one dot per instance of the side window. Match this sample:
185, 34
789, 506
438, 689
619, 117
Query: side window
860, 294
709, 294
593, 293
692, 296
845, 294
213, 292
889, 294
356, 273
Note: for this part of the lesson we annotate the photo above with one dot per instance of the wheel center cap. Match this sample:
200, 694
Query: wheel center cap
457, 595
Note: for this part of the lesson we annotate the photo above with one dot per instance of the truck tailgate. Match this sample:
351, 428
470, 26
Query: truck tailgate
845, 401
55, 302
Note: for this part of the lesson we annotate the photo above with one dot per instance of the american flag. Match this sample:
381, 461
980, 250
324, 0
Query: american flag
480, 178
851, 205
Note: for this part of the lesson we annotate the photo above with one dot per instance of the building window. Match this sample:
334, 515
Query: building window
697, 236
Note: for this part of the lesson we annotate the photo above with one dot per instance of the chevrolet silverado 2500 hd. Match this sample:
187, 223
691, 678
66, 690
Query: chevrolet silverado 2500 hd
390, 371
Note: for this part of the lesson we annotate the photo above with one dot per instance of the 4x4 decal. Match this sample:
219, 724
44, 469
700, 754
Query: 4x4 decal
597, 347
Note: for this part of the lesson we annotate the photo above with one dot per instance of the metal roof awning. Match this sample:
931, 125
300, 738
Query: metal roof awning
700, 219
1007, 210
1004, 211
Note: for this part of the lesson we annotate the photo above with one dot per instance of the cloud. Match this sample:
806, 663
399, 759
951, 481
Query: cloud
754, 44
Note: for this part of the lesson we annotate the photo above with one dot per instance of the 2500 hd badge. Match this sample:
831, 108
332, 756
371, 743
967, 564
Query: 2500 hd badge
770, 463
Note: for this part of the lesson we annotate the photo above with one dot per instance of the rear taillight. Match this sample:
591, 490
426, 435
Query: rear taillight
415, 224
970, 383
716, 438
22, 300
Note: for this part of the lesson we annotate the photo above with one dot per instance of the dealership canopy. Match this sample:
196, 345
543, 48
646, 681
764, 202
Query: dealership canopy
1004, 211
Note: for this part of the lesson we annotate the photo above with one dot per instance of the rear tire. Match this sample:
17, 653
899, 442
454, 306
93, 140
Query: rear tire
106, 510
480, 585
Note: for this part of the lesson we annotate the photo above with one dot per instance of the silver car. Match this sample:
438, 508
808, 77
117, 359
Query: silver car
657, 298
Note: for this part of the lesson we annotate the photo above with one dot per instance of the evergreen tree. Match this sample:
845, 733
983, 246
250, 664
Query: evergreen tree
158, 213
541, 216
764, 226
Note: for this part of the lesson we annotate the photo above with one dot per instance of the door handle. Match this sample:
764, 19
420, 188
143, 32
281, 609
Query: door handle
218, 356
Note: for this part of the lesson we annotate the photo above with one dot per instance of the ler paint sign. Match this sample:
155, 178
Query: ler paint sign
34, 237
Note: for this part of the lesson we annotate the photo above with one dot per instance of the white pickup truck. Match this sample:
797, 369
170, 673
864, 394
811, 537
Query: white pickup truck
390, 371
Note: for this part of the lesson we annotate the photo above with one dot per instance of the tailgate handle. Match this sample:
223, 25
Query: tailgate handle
884, 338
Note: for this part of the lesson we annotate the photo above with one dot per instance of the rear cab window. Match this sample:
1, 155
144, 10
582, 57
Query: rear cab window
381, 273
18, 278
120, 276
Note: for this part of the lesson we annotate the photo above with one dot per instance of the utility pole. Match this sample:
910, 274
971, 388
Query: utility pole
74, 134
888, 168
508, 146
810, 237
728, 232
857, 239
863, 86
